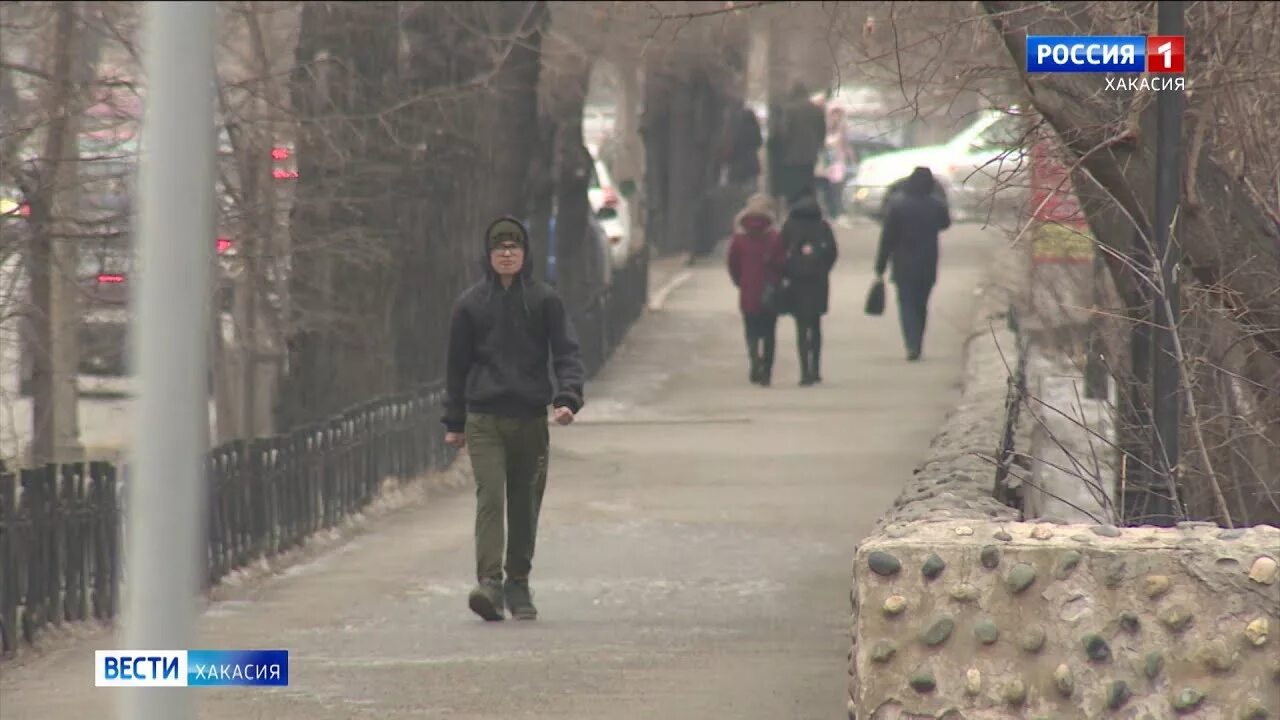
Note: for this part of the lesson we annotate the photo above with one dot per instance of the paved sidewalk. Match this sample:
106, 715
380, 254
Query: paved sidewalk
694, 554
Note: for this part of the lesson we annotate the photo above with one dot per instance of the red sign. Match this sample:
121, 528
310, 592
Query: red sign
1060, 232
1166, 54
1052, 196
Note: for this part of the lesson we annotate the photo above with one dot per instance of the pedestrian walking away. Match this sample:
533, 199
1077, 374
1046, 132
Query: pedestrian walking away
505, 331
811, 253
909, 241
757, 262
800, 133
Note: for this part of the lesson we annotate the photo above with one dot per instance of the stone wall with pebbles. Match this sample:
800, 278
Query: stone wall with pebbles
961, 621
963, 612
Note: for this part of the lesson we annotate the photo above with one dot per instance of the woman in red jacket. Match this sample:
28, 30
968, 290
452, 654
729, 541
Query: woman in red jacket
757, 260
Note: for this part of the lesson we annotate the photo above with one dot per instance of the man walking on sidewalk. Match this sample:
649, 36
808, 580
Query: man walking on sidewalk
909, 240
505, 331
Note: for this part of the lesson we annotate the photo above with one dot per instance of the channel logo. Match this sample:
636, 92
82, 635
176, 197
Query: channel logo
1164, 54
191, 668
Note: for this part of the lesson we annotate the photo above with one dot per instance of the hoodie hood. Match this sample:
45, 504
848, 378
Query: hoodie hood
754, 223
501, 230
757, 216
807, 207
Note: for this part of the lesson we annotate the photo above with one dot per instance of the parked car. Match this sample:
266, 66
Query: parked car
611, 209
968, 166
601, 243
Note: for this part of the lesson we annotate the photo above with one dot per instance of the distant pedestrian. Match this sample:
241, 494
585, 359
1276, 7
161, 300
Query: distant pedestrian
811, 253
835, 163
506, 331
742, 151
757, 261
909, 240
802, 132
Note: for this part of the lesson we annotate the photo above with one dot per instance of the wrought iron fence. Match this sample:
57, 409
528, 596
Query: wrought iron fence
61, 526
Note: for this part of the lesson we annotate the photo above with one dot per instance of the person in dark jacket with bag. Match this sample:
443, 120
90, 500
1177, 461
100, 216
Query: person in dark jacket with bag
811, 253
757, 261
507, 334
909, 240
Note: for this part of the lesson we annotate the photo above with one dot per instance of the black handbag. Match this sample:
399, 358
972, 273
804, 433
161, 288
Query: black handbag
875, 298
774, 298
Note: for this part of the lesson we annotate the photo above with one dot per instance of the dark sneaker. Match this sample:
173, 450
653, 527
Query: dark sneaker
520, 600
486, 601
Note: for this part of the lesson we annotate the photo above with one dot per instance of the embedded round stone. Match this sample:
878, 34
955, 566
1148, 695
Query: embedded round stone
1176, 618
1153, 664
882, 651
1217, 656
1188, 700
1118, 694
986, 632
1257, 631
1033, 639
972, 681
990, 557
1253, 709
894, 605
882, 563
1116, 571
1129, 622
933, 566
1096, 648
1020, 577
1064, 680
923, 682
1153, 586
1042, 532
1110, 531
964, 531
964, 592
1264, 570
1002, 536
1015, 692
1067, 563
938, 631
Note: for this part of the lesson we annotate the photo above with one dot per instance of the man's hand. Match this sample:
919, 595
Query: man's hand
563, 416
454, 439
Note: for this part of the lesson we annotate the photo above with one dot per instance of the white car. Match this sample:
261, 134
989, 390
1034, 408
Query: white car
611, 209
968, 166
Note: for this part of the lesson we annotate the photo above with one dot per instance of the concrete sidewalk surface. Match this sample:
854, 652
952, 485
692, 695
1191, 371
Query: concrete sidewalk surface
694, 553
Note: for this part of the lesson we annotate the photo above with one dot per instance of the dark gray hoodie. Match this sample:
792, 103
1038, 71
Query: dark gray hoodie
501, 343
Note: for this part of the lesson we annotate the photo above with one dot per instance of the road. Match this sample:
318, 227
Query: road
695, 548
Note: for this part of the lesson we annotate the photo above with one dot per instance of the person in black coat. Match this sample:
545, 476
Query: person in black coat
909, 240
811, 253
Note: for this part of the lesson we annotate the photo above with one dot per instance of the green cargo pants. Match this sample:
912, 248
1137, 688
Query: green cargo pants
509, 458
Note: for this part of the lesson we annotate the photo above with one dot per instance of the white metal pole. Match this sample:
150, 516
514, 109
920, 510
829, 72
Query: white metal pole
171, 296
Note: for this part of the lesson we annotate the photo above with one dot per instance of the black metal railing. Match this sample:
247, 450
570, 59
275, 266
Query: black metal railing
61, 526
604, 321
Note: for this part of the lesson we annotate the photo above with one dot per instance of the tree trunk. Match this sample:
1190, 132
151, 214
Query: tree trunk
482, 62
52, 261
341, 350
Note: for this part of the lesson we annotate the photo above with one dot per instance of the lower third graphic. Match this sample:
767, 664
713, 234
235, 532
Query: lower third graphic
191, 668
